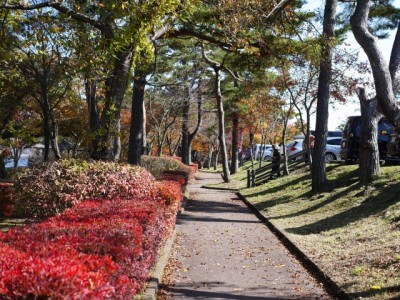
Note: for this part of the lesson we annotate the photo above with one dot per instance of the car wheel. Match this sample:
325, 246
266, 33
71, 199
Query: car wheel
267, 158
329, 157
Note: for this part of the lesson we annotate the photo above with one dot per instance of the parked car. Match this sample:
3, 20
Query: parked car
293, 147
332, 151
350, 145
246, 154
266, 149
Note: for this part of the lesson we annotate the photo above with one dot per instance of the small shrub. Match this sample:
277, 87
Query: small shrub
49, 189
157, 165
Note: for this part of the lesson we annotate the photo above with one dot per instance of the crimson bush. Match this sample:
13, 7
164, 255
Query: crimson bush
98, 249
102, 248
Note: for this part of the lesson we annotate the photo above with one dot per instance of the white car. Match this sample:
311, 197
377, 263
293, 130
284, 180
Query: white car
267, 151
332, 151
293, 147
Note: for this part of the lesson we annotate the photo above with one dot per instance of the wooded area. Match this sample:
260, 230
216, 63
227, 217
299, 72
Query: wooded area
114, 80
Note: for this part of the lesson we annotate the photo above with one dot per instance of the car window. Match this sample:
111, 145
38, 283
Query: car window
334, 142
335, 133
385, 125
357, 127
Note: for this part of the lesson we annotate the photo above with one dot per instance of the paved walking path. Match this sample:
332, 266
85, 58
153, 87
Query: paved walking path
224, 252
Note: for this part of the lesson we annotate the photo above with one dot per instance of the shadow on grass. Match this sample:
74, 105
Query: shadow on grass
317, 206
349, 180
370, 206
279, 187
372, 293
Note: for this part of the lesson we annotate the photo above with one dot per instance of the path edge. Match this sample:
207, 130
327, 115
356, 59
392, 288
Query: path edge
331, 287
152, 286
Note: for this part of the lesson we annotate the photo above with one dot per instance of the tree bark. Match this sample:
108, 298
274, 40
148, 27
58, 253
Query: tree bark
369, 152
54, 137
46, 127
394, 64
185, 130
386, 79
380, 70
137, 115
221, 125
198, 125
91, 100
318, 175
105, 140
235, 141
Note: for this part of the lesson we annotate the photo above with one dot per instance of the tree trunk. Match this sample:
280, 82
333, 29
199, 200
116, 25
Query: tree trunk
54, 137
285, 158
198, 125
104, 141
394, 64
117, 140
137, 115
145, 150
321, 128
369, 152
380, 70
221, 125
46, 128
235, 141
216, 157
251, 143
185, 131
210, 156
91, 100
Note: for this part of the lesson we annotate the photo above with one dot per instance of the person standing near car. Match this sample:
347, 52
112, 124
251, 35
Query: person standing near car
305, 147
276, 162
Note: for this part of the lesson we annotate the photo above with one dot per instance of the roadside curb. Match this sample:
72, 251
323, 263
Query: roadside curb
151, 290
218, 188
332, 288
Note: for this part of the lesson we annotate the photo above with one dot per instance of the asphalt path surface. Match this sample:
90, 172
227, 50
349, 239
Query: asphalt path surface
223, 251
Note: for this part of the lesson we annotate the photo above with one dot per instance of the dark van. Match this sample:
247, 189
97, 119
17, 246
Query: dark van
351, 138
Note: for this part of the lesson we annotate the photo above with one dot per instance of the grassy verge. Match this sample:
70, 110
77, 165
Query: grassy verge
351, 233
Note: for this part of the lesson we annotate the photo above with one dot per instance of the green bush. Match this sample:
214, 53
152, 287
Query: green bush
49, 189
157, 165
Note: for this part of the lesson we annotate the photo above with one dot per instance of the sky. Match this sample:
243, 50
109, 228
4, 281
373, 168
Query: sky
339, 114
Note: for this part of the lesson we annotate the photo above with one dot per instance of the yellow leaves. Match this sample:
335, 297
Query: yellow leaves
101, 4
124, 4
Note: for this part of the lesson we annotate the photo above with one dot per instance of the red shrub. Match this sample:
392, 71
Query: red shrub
55, 275
97, 249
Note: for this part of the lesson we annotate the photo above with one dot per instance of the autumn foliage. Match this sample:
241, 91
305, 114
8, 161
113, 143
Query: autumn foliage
49, 189
99, 248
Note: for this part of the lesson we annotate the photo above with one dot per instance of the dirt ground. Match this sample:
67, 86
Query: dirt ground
222, 251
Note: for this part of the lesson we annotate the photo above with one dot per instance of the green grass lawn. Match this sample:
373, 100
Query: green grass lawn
353, 234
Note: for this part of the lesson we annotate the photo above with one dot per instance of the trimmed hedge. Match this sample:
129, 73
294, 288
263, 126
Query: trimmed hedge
157, 165
49, 189
98, 249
